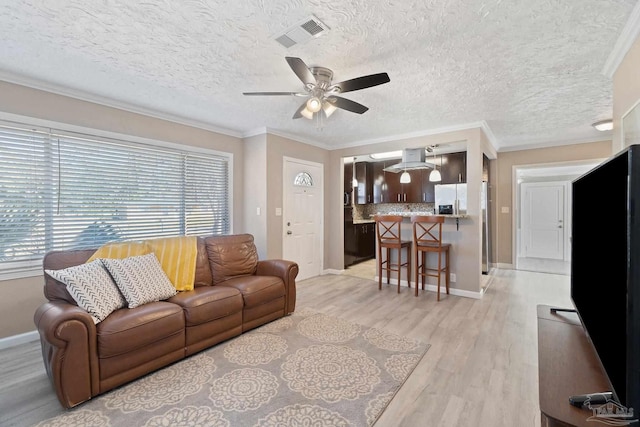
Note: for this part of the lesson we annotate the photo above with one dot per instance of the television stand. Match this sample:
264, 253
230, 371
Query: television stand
567, 366
562, 310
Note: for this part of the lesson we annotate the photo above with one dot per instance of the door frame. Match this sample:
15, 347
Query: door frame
285, 161
515, 198
566, 217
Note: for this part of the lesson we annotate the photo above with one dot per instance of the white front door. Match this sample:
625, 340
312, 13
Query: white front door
303, 216
543, 213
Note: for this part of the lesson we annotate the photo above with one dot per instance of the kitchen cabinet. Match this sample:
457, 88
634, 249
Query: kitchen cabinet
397, 192
364, 190
348, 184
428, 188
366, 238
454, 168
379, 185
359, 243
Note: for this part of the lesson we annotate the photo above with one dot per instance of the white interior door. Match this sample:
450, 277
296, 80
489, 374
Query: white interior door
543, 220
303, 216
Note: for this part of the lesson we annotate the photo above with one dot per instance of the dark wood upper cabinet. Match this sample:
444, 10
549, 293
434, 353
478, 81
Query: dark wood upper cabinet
454, 168
364, 190
379, 186
428, 188
392, 192
348, 184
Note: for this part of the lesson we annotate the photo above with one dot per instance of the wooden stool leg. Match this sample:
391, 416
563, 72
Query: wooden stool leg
409, 266
439, 271
447, 270
388, 266
415, 252
379, 267
424, 269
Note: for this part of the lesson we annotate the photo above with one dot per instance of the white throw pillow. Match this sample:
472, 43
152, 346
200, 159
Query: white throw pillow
140, 279
92, 288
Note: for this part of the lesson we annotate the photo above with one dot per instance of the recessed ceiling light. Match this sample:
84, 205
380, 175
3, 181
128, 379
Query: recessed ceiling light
603, 125
387, 155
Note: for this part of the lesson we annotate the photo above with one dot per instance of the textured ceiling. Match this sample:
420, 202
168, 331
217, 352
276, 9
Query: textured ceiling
530, 68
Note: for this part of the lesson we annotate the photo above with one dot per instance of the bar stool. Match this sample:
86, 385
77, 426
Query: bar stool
388, 235
427, 237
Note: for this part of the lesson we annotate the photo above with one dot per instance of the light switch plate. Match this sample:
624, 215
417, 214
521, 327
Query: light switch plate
505, 209
278, 211
257, 211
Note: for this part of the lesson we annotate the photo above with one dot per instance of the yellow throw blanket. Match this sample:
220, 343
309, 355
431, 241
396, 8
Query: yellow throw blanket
177, 256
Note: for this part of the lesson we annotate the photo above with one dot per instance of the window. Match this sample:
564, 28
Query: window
303, 179
61, 190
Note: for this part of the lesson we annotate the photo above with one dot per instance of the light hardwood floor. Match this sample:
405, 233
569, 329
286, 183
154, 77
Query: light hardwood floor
481, 369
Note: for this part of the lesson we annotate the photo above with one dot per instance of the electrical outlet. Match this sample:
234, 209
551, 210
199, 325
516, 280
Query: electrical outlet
452, 277
257, 211
278, 211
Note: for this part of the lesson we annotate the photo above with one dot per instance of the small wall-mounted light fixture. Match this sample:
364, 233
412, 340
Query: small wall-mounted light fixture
603, 125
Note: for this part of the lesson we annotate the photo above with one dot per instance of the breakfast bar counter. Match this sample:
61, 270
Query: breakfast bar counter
450, 234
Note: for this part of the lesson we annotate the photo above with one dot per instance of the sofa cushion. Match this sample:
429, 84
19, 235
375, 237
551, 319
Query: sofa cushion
140, 279
257, 290
207, 303
203, 270
92, 288
231, 256
127, 329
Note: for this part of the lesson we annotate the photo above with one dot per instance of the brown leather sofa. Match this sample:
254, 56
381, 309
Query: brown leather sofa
234, 292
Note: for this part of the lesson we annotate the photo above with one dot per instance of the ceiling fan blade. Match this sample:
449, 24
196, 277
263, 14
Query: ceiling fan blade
298, 113
363, 82
302, 71
274, 93
347, 104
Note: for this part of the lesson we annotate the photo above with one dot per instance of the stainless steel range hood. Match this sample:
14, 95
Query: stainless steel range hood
412, 158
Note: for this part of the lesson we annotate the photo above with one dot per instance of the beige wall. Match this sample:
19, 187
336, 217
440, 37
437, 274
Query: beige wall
277, 148
255, 191
504, 186
19, 298
626, 90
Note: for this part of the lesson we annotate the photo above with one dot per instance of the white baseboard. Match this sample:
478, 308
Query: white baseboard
434, 288
15, 340
332, 271
505, 266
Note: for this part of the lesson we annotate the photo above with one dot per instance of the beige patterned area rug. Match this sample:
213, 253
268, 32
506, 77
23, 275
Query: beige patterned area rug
307, 369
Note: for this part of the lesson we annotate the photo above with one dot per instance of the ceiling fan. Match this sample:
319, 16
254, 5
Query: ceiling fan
322, 93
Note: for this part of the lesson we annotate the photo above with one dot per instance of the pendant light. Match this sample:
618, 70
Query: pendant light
405, 178
354, 182
435, 175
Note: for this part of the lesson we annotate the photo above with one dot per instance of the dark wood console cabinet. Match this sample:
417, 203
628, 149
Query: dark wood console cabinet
567, 365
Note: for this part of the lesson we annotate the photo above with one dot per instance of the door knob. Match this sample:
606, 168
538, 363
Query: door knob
289, 232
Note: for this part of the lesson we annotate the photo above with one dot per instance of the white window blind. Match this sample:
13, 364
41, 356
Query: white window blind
60, 190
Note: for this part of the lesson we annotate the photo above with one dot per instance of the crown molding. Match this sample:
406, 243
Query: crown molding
627, 37
297, 138
490, 135
112, 103
416, 134
606, 137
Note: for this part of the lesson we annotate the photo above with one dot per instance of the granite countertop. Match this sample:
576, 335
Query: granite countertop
363, 221
410, 214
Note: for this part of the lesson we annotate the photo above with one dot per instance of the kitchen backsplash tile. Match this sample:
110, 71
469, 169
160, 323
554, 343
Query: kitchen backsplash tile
363, 212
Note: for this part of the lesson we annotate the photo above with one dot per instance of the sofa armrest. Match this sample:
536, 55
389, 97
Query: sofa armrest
287, 271
68, 339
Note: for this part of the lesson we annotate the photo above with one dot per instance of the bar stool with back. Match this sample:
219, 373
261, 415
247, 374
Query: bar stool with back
427, 237
388, 235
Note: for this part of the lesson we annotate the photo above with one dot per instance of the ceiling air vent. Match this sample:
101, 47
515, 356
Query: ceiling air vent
302, 32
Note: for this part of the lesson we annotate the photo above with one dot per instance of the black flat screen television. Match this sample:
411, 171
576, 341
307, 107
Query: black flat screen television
605, 268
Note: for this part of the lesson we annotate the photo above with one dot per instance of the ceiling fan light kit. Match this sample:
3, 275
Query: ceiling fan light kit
322, 92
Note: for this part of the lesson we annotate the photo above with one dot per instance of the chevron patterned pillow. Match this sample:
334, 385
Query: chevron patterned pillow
92, 288
140, 279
